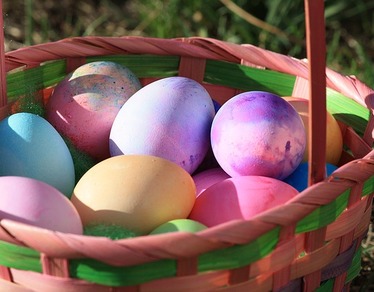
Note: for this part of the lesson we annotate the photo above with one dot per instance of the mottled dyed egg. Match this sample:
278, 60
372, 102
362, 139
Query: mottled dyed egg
36, 203
31, 147
169, 118
208, 177
258, 133
83, 106
240, 198
299, 178
138, 192
179, 225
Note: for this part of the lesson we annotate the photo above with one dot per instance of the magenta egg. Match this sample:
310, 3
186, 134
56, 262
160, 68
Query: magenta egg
169, 118
240, 198
34, 202
258, 133
208, 177
85, 103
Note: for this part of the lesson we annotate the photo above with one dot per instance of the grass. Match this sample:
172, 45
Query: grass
277, 25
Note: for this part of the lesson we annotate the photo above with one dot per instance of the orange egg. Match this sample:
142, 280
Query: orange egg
334, 138
138, 192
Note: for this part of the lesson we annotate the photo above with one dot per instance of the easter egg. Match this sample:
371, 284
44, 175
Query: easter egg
240, 197
184, 225
34, 202
84, 104
138, 192
334, 137
258, 133
31, 147
168, 118
299, 178
208, 177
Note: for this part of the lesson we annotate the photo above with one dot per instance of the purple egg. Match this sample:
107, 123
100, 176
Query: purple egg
169, 118
258, 133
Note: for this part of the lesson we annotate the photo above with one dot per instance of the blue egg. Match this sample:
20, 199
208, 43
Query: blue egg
31, 147
299, 178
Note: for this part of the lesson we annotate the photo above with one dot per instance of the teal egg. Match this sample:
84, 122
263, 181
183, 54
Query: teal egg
31, 147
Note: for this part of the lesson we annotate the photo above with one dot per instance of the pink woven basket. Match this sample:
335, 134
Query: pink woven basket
311, 243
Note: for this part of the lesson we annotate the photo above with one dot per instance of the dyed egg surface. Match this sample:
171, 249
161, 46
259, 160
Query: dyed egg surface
334, 137
31, 147
299, 178
208, 177
183, 225
138, 192
258, 133
84, 105
240, 198
169, 118
36, 203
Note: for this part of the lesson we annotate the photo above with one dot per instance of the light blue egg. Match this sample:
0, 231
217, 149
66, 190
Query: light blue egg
299, 178
31, 147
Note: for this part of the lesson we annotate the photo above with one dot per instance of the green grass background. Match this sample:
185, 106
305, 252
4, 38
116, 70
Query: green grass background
277, 25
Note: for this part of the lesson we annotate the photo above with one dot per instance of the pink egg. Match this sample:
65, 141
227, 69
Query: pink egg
208, 177
240, 198
258, 133
83, 106
36, 203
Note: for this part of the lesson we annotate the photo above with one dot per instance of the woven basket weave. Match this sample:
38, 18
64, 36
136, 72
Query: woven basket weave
311, 243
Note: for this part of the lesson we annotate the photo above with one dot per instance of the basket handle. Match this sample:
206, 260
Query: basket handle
3, 92
316, 53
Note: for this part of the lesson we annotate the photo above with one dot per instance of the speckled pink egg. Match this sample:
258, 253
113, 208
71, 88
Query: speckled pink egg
34, 202
258, 133
208, 177
85, 103
168, 118
240, 198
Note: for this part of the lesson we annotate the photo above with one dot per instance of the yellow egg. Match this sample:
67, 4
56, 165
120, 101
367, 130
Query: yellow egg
138, 192
334, 138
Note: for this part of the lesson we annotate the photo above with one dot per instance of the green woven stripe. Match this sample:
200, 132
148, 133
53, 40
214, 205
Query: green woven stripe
144, 65
232, 257
368, 187
31, 80
248, 78
324, 215
239, 255
347, 111
19, 257
355, 268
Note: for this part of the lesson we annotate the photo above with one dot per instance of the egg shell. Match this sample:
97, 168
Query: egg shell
208, 177
299, 178
31, 147
258, 133
180, 225
240, 198
138, 192
85, 103
36, 203
334, 136
168, 118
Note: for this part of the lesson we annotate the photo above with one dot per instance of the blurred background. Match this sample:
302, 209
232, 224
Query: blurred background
277, 25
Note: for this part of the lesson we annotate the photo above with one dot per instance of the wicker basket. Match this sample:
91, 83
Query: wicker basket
312, 243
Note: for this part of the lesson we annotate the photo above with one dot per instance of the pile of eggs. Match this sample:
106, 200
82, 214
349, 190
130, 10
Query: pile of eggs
167, 158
